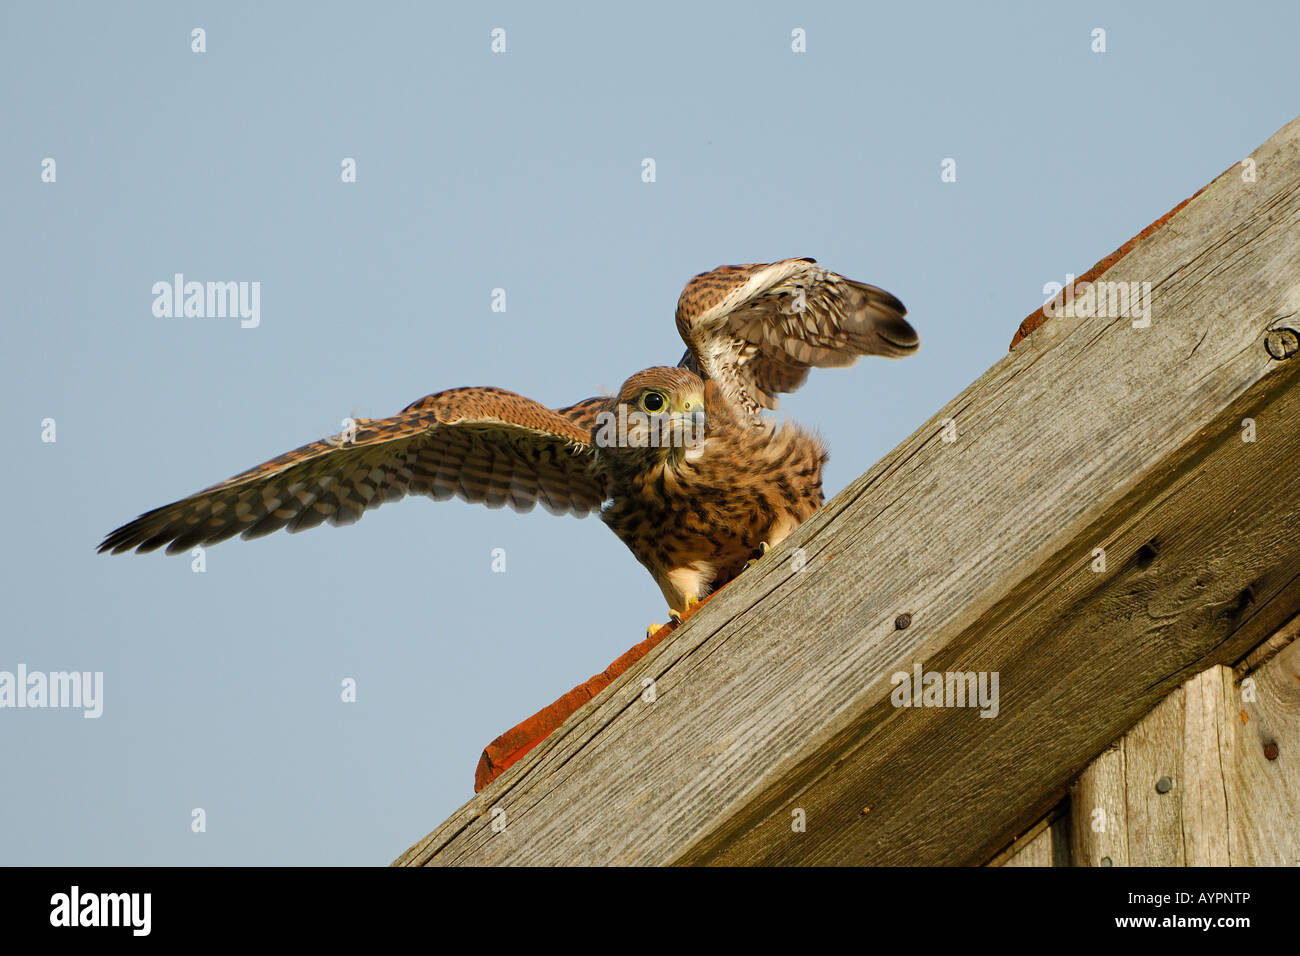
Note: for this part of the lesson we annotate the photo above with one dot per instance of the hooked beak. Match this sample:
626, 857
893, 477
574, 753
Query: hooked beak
688, 425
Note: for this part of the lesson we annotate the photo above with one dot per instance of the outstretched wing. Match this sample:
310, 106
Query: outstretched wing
757, 329
482, 444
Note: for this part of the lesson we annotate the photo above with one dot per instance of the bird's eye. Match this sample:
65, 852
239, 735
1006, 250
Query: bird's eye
654, 402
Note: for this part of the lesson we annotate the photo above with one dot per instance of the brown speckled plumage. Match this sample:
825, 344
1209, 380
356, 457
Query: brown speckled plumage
692, 512
695, 520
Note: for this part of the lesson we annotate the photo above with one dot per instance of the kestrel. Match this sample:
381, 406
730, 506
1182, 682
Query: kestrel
681, 464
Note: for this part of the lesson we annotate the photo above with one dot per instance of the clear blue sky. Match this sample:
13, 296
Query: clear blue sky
476, 170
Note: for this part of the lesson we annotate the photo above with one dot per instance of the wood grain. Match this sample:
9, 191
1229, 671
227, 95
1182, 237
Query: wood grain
1153, 752
1265, 796
1209, 760
1098, 813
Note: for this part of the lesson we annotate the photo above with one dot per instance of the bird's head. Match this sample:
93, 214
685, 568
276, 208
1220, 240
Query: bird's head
658, 415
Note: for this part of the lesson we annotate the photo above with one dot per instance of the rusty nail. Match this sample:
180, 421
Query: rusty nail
1282, 343
903, 622
1270, 750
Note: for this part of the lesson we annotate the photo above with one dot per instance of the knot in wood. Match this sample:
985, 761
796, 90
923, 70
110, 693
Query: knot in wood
1282, 343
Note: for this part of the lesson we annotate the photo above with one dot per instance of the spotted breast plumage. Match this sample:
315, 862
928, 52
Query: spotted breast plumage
681, 463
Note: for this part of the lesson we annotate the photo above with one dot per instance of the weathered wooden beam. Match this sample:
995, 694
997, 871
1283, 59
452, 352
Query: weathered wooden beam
771, 708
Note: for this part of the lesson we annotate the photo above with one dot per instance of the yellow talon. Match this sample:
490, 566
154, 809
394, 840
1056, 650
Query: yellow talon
691, 603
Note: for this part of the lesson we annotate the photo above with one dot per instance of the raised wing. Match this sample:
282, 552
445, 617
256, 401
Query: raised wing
757, 329
481, 444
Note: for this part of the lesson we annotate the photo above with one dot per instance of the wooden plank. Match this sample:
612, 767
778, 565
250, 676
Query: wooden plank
776, 698
1046, 843
1153, 784
1036, 852
1208, 761
1265, 818
1098, 828
1061, 835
